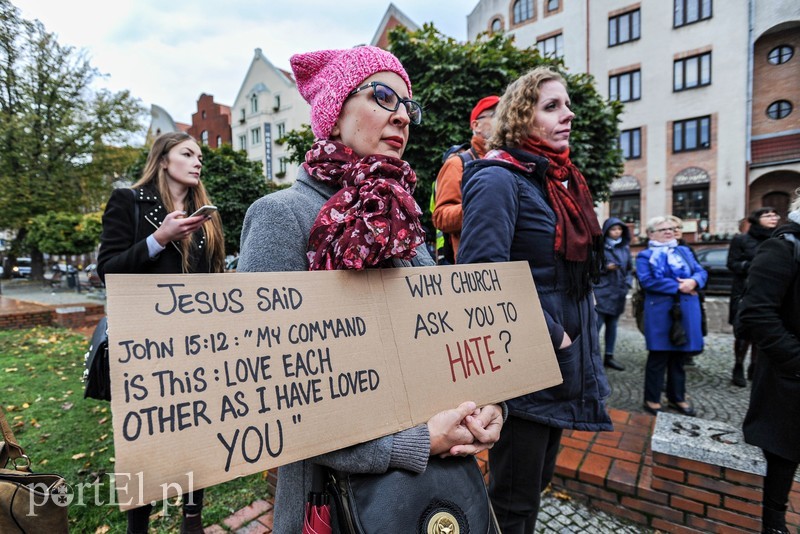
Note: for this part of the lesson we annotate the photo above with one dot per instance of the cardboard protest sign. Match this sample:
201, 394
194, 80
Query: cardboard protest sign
219, 376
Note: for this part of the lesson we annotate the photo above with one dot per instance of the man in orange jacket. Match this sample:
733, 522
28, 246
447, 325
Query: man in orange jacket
447, 214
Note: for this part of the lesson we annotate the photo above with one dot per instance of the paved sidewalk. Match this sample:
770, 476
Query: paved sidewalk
708, 387
37, 292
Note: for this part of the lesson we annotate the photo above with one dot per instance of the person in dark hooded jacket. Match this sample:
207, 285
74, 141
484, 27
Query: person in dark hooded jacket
612, 287
763, 222
769, 315
527, 201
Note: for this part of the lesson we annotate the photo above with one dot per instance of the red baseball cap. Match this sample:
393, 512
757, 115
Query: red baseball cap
483, 104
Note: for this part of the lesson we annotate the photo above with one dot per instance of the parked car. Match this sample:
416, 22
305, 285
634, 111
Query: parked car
22, 269
715, 261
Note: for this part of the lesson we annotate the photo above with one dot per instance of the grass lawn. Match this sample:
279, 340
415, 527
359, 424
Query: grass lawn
41, 392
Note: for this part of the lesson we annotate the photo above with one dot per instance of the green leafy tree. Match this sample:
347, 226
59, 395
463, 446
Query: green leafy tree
109, 165
298, 142
65, 233
233, 183
51, 120
450, 77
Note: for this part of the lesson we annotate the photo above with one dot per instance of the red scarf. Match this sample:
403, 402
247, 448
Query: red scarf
371, 219
577, 229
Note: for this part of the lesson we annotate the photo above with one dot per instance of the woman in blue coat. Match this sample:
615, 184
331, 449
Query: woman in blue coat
612, 287
527, 201
670, 277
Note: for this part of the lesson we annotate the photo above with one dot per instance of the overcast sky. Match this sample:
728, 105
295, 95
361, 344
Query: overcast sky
168, 52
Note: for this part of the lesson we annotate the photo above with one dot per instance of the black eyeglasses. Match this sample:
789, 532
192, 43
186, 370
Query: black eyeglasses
388, 99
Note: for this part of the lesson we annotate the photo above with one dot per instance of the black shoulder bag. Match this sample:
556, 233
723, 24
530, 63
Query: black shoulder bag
96, 372
449, 496
637, 304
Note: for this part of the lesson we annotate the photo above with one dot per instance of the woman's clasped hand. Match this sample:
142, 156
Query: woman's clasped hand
465, 430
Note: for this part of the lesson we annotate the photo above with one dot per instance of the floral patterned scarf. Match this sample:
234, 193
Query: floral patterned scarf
371, 219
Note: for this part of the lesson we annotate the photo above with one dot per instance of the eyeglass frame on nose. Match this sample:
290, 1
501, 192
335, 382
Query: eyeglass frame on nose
662, 230
404, 101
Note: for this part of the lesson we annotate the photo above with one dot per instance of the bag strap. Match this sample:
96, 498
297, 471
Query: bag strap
9, 448
794, 241
466, 157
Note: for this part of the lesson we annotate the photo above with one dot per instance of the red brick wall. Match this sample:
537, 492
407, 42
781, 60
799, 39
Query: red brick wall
88, 316
26, 319
617, 472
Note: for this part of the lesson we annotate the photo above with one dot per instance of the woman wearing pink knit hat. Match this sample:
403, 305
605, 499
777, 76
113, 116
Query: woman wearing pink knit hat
352, 208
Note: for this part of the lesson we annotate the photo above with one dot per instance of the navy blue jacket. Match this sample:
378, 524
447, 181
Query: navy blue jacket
612, 287
507, 217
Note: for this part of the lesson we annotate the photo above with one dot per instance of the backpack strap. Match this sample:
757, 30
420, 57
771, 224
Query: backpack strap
794, 241
466, 157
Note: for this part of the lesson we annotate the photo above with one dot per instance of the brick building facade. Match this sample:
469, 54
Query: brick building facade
711, 89
211, 124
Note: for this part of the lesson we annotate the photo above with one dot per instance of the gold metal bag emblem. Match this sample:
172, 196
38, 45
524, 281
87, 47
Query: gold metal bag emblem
443, 523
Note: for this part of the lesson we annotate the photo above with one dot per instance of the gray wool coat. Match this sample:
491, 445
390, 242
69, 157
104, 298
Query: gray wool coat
274, 238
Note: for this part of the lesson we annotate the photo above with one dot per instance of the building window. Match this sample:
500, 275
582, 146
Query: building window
241, 115
277, 104
780, 54
690, 203
630, 141
779, 109
523, 10
623, 28
691, 134
692, 72
219, 141
281, 130
204, 114
552, 5
691, 11
552, 46
254, 104
497, 25
625, 87
282, 163
625, 207
242, 142
204, 137
255, 136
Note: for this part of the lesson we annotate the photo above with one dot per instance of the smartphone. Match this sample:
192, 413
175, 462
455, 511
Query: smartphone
205, 211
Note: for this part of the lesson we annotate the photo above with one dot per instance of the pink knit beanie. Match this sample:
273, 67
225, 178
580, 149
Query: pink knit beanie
326, 77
